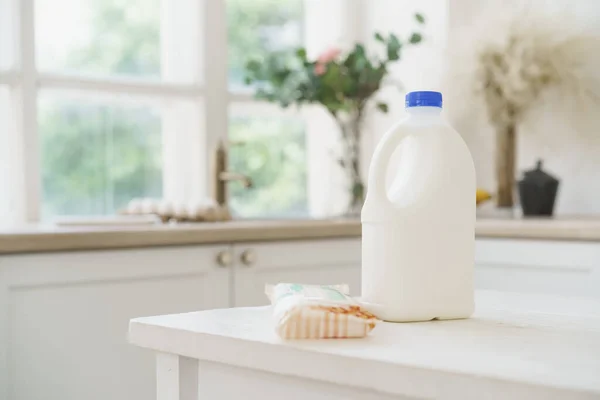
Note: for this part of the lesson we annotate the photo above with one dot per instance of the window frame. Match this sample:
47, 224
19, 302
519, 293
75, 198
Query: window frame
25, 81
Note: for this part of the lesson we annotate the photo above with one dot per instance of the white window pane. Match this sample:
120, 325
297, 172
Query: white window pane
7, 34
4, 155
258, 27
273, 154
99, 36
132, 38
97, 154
8, 184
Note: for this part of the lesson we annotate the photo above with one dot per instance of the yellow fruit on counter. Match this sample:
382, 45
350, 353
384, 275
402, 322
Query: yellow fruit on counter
482, 196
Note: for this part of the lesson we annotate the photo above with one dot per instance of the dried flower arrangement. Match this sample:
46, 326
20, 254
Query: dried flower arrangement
533, 54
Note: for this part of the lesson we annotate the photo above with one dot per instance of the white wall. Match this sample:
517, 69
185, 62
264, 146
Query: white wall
572, 153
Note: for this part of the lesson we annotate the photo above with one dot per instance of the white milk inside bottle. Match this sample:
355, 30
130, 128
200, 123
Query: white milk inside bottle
418, 224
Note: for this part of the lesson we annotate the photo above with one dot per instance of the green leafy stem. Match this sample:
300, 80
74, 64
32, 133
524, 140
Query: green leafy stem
338, 82
343, 82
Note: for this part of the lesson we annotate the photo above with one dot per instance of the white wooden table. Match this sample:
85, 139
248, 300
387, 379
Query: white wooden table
515, 347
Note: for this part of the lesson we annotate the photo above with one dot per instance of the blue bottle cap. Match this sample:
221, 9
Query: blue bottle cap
423, 99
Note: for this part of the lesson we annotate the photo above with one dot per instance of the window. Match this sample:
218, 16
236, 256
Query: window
97, 154
272, 144
271, 149
7, 28
6, 178
99, 37
260, 26
108, 100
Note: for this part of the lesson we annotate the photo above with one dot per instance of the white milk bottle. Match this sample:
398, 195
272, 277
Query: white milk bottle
418, 226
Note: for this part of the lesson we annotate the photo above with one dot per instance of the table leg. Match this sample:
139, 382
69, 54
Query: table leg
176, 377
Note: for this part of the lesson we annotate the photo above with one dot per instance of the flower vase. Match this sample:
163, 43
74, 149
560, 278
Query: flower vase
506, 148
356, 199
350, 128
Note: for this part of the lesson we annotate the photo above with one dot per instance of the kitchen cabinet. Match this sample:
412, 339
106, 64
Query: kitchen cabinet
567, 268
316, 262
64, 316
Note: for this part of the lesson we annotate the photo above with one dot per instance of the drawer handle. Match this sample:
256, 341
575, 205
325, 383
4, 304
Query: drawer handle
224, 258
248, 257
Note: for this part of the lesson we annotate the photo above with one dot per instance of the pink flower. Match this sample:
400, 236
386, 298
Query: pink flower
324, 58
328, 55
320, 69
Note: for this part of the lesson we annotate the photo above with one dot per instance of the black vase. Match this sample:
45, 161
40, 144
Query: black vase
537, 191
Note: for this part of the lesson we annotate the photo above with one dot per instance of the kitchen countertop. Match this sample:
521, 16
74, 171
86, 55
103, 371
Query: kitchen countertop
517, 346
50, 238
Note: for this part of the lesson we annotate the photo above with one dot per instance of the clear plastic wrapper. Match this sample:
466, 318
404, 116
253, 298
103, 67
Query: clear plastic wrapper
317, 312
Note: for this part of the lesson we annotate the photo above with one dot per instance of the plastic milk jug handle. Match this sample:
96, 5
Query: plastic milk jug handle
381, 159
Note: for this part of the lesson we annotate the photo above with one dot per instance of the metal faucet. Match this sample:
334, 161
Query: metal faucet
221, 177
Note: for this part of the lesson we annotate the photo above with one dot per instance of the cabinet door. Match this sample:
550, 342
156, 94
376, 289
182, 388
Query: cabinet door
315, 262
538, 266
64, 317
